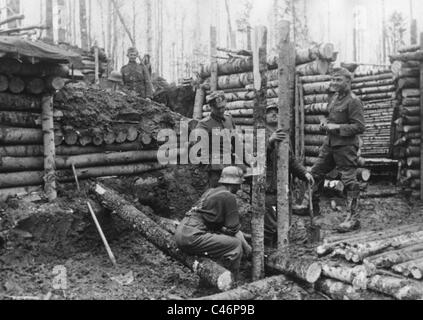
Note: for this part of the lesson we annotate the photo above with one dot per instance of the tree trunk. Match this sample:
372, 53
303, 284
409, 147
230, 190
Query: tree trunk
35, 86
132, 134
71, 136
316, 88
49, 149
303, 268
109, 137
406, 267
83, 24
337, 290
198, 105
205, 268
55, 83
323, 51
49, 20
357, 276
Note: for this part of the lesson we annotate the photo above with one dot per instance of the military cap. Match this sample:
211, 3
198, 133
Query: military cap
214, 95
133, 50
336, 72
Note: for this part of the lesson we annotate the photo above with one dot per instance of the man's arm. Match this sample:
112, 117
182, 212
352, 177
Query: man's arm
356, 123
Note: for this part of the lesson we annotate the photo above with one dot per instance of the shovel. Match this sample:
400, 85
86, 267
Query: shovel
314, 231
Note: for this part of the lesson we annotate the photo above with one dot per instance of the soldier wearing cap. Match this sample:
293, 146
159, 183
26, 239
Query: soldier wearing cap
136, 77
340, 149
217, 120
212, 227
296, 169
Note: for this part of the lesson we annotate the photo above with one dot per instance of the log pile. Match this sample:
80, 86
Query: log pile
235, 78
385, 261
408, 136
376, 89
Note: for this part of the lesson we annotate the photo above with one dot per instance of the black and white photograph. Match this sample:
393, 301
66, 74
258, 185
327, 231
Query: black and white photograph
233, 151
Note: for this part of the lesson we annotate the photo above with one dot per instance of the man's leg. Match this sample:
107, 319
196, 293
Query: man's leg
346, 159
325, 164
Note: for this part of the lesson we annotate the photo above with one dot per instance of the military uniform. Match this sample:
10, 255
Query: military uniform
210, 228
208, 124
136, 78
340, 149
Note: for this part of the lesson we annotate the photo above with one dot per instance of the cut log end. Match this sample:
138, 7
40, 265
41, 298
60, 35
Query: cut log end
225, 281
314, 272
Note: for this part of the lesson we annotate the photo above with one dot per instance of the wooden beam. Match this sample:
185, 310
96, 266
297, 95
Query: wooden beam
297, 117
286, 89
49, 148
421, 121
213, 54
259, 179
12, 19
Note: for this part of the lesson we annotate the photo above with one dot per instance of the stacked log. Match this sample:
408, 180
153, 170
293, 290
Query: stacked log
237, 81
407, 137
375, 87
35, 79
380, 255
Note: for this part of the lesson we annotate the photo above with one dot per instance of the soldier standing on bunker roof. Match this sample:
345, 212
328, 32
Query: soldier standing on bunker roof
136, 77
341, 146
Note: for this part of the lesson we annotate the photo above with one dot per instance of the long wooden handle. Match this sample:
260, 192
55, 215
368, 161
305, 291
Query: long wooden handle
100, 231
310, 194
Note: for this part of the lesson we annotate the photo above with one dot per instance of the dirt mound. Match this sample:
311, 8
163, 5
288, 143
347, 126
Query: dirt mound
87, 107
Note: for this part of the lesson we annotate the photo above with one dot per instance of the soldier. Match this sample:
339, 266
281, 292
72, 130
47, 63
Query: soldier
212, 226
296, 169
340, 149
136, 77
217, 120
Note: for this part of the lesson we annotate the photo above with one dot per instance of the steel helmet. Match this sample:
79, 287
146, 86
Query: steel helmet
232, 175
115, 76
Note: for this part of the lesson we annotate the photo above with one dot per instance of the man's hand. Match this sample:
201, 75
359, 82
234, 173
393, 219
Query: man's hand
277, 136
310, 178
330, 127
245, 246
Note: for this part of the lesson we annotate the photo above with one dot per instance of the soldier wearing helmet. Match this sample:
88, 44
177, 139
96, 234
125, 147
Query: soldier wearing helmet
212, 227
136, 77
115, 78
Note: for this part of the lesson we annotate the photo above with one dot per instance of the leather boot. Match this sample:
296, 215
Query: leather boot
352, 221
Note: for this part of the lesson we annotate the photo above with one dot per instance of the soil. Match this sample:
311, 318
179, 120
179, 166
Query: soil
38, 237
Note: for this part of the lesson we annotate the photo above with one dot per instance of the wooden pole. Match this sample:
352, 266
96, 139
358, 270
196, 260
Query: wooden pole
97, 63
213, 54
302, 122
297, 118
49, 148
259, 179
286, 68
421, 121
103, 238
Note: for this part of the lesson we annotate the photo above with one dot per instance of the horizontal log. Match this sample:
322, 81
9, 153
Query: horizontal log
356, 276
28, 178
406, 56
316, 88
412, 151
313, 129
16, 85
315, 119
243, 121
410, 48
379, 89
314, 140
378, 77
13, 192
411, 64
413, 162
235, 113
15, 164
410, 102
10, 135
20, 119
4, 83
318, 78
411, 120
303, 268
35, 86
312, 151
317, 67
11, 102
412, 174
310, 161
323, 51
408, 83
398, 288
409, 111
316, 109
376, 70
317, 98
370, 84
405, 267
376, 96
411, 93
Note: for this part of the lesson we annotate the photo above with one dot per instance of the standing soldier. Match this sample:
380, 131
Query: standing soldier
217, 120
136, 77
340, 149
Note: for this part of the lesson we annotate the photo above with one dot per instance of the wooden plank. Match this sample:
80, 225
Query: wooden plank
259, 179
49, 149
286, 90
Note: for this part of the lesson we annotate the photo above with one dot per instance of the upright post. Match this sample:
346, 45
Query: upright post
49, 148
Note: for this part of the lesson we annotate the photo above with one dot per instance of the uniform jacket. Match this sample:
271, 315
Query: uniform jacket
136, 78
348, 112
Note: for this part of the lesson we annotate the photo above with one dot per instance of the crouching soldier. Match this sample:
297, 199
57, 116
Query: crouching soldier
212, 227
